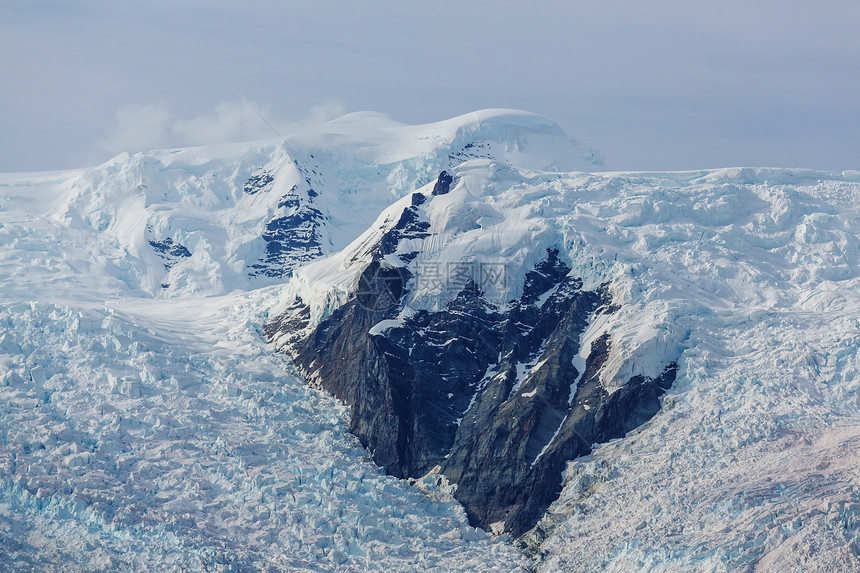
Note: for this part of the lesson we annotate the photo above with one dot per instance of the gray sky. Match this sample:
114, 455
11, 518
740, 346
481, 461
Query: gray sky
652, 85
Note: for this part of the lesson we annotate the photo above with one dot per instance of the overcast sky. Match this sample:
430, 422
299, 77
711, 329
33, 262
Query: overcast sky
652, 85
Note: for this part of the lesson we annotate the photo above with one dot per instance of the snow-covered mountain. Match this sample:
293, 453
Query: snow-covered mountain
626, 371
211, 220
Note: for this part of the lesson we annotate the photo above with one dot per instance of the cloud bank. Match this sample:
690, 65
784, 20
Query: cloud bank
142, 127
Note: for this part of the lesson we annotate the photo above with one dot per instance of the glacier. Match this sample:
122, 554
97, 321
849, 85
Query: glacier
147, 425
159, 437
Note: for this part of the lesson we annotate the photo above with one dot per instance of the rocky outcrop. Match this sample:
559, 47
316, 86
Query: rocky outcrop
443, 184
169, 251
293, 235
261, 181
490, 397
408, 226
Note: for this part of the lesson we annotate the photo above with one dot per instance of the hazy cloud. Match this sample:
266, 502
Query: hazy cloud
229, 121
140, 127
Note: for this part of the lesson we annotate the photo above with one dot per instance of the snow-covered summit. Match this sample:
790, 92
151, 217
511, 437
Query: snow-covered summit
209, 220
525, 140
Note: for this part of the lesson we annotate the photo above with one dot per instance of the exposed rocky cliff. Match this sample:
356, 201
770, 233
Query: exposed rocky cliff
293, 234
497, 397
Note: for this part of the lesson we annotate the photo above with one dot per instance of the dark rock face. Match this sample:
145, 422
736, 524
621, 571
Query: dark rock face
292, 236
261, 181
479, 149
169, 251
409, 226
509, 454
497, 458
380, 288
492, 398
443, 184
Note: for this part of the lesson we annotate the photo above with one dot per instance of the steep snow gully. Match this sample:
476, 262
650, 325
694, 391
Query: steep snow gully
454, 346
